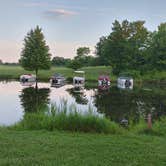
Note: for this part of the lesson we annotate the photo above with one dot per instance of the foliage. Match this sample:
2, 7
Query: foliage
60, 118
124, 47
83, 51
35, 54
130, 46
60, 61
158, 49
75, 64
83, 59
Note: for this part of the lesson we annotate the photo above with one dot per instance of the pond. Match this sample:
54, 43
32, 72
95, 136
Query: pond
16, 100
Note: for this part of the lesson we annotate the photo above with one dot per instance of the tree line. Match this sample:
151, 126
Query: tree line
129, 47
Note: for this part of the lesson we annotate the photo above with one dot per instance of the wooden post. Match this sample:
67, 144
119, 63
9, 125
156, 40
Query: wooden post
149, 121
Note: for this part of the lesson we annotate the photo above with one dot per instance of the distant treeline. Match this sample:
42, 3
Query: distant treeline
129, 47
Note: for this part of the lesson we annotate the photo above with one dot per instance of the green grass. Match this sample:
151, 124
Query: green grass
69, 118
14, 72
92, 73
44, 139
59, 118
76, 149
155, 76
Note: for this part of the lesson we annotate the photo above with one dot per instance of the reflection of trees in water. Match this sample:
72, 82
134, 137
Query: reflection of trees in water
121, 104
33, 99
80, 97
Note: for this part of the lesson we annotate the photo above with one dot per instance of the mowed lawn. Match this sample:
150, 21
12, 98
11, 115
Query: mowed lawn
14, 72
73, 149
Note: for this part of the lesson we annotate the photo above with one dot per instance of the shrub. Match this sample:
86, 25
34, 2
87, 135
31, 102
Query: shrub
58, 118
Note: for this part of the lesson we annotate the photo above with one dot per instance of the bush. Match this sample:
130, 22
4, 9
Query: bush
158, 127
60, 119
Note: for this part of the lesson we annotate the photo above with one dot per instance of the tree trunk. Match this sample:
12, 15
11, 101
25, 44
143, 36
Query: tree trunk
36, 72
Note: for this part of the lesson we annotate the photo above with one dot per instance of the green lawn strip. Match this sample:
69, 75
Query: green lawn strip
64, 148
92, 73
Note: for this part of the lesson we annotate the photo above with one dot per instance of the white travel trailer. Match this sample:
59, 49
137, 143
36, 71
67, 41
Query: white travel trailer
27, 79
79, 80
125, 82
57, 80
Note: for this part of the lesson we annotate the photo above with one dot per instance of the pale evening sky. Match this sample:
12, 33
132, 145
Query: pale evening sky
68, 24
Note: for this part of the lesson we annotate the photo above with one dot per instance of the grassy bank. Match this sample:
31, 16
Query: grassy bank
62, 148
68, 118
57, 138
14, 72
92, 73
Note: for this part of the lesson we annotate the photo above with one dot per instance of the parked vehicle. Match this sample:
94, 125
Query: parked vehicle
57, 80
104, 82
79, 80
27, 79
125, 82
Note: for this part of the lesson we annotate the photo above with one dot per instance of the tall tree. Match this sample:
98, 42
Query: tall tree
83, 51
100, 51
35, 54
158, 48
123, 48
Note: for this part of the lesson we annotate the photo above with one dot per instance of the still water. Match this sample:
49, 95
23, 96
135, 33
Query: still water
116, 104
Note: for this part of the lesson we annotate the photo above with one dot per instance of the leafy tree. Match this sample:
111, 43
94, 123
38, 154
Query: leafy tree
158, 48
35, 54
100, 51
75, 64
124, 48
84, 57
82, 52
60, 61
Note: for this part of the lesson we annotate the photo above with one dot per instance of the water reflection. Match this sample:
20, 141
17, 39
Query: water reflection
34, 98
118, 105
80, 97
130, 105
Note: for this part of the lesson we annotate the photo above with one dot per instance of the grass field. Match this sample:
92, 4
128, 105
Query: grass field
73, 149
92, 73
14, 72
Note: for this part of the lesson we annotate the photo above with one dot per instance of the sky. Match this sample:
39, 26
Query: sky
69, 24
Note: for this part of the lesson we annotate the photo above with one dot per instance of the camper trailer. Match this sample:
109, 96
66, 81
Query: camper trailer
57, 80
104, 82
27, 79
125, 82
79, 80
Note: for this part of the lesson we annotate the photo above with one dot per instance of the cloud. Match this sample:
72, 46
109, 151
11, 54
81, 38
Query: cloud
59, 13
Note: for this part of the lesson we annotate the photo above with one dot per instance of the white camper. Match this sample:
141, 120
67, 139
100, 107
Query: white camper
125, 82
79, 80
27, 78
57, 80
